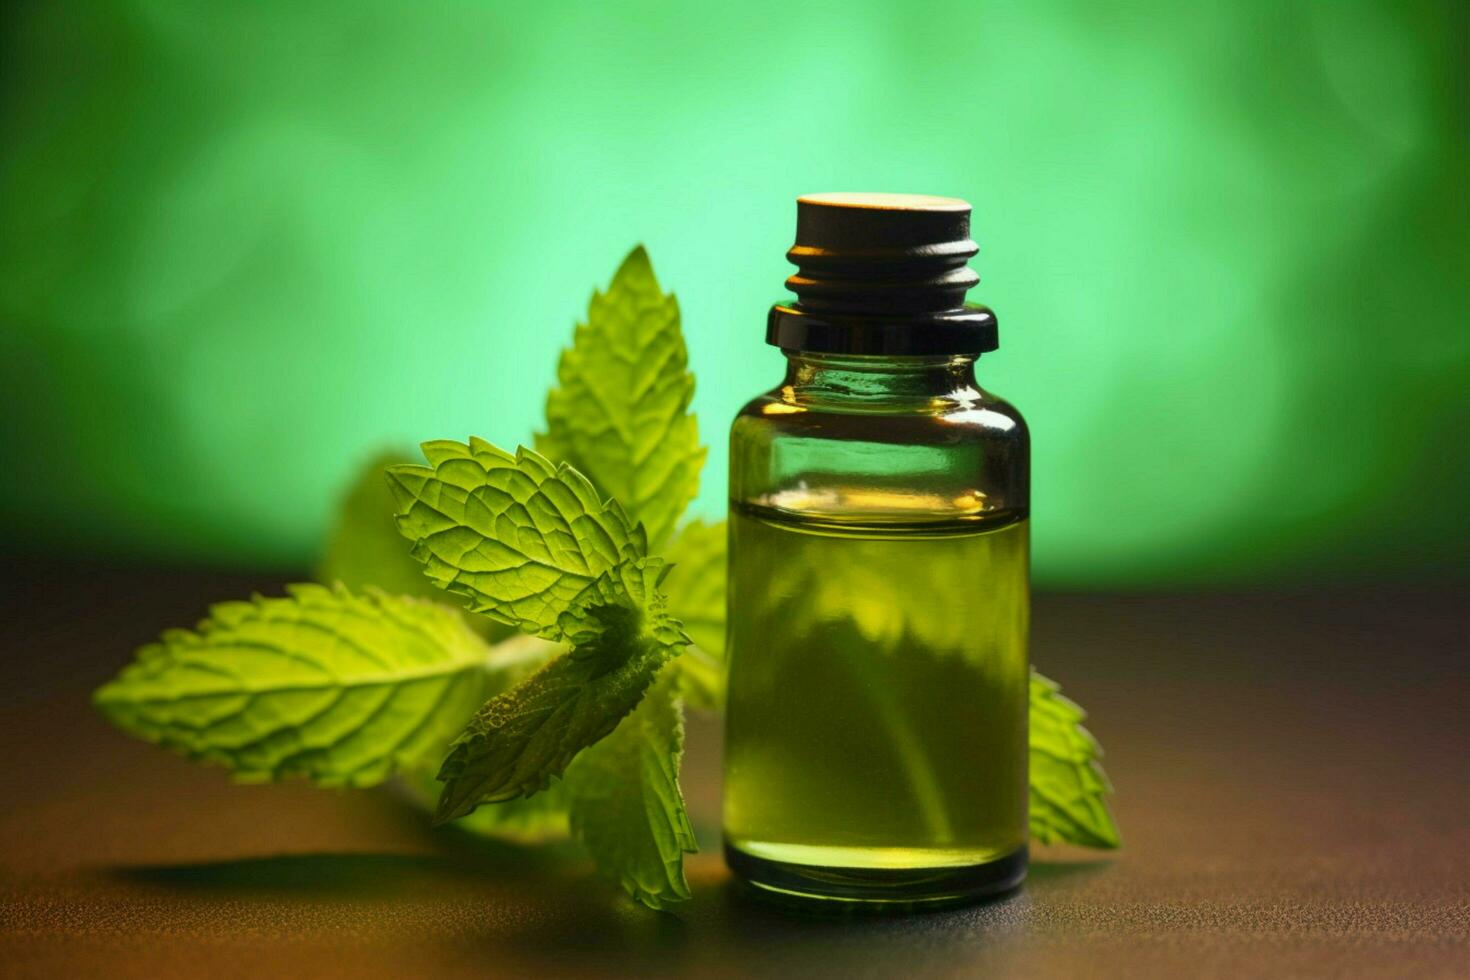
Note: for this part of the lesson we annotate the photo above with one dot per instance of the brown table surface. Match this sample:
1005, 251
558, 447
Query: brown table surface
1291, 776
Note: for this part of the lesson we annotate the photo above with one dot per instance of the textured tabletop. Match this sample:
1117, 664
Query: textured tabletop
1292, 790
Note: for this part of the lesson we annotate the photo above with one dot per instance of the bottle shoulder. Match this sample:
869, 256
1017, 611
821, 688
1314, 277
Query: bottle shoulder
972, 415
954, 458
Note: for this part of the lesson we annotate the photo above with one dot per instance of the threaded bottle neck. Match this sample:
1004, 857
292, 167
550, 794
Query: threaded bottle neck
881, 254
882, 274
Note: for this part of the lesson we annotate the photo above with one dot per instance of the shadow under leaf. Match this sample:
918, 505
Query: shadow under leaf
464, 859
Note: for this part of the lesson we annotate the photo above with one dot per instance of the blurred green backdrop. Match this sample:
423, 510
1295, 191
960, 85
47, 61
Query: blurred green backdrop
247, 245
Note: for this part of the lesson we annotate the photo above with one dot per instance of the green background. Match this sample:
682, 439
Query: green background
247, 245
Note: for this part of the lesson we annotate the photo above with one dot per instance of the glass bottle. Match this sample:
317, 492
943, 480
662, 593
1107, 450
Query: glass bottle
876, 728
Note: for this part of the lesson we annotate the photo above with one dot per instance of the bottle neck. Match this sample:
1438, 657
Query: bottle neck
879, 382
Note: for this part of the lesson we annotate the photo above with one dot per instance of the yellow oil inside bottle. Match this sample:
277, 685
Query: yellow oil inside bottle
877, 696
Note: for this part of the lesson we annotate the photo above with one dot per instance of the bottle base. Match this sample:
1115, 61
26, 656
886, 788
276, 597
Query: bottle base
814, 888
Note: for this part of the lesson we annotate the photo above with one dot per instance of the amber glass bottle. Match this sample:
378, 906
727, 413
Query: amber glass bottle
876, 719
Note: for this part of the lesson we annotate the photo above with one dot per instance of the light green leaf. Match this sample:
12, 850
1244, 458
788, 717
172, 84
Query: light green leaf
621, 413
696, 589
626, 805
522, 738
1068, 787
517, 535
343, 689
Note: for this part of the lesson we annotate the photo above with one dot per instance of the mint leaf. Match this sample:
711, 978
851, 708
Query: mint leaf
626, 805
522, 738
342, 689
696, 589
517, 535
620, 414
1068, 787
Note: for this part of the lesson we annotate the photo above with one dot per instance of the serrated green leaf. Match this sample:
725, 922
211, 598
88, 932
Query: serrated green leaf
696, 590
621, 413
626, 804
1068, 787
518, 536
342, 689
524, 737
